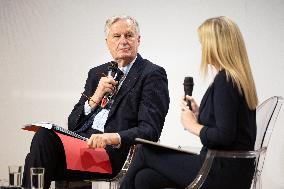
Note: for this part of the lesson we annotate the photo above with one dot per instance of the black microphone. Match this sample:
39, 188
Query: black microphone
114, 71
112, 68
111, 71
188, 87
117, 74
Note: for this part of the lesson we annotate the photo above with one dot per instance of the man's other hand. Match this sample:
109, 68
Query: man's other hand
101, 140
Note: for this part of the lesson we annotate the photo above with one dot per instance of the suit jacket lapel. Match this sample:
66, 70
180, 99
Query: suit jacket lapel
129, 82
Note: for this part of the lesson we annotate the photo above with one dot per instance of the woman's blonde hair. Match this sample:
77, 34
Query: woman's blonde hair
223, 47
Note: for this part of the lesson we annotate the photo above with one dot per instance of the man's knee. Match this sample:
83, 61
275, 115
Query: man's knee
43, 133
45, 137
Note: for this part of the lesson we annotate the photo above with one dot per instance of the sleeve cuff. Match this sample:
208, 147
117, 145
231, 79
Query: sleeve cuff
119, 139
87, 108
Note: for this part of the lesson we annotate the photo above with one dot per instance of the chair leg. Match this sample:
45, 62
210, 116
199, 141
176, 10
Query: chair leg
113, 185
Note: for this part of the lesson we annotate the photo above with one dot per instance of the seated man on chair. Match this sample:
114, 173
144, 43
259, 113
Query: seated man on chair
139, 104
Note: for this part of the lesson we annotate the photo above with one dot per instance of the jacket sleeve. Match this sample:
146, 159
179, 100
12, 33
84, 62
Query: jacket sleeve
153, 108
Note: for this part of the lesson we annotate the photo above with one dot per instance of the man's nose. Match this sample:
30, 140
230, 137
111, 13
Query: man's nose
123, 39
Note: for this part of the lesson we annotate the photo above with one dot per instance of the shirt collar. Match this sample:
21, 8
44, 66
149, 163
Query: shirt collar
125, 69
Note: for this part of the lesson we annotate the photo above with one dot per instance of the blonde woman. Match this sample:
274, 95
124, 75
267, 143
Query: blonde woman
225, 120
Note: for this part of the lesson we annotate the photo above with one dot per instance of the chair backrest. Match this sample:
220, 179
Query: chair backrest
266, 116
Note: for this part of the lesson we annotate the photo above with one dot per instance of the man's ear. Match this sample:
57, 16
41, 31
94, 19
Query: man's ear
106, 42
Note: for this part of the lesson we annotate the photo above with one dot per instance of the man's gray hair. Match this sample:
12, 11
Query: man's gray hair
114, 19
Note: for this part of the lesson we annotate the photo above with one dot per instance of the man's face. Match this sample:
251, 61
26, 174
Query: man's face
123, 41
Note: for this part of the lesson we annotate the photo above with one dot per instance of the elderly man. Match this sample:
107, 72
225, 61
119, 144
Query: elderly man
110, 113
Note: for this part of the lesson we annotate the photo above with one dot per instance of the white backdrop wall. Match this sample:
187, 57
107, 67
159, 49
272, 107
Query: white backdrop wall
48, 46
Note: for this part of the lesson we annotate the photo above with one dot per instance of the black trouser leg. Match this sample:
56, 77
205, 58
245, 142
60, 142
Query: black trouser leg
169, 168
46, 151
144, 180
142, 176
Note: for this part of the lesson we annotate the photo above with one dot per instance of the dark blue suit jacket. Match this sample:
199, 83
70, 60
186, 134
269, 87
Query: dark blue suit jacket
228, 125
139, 108
228, 122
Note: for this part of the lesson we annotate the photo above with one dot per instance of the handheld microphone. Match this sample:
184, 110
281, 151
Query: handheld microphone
116, 74
114, 71
112, 68
188, 87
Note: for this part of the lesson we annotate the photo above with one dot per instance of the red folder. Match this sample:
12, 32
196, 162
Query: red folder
79, 156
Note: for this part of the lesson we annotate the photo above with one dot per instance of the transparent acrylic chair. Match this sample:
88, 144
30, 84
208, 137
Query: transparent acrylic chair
266, 115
